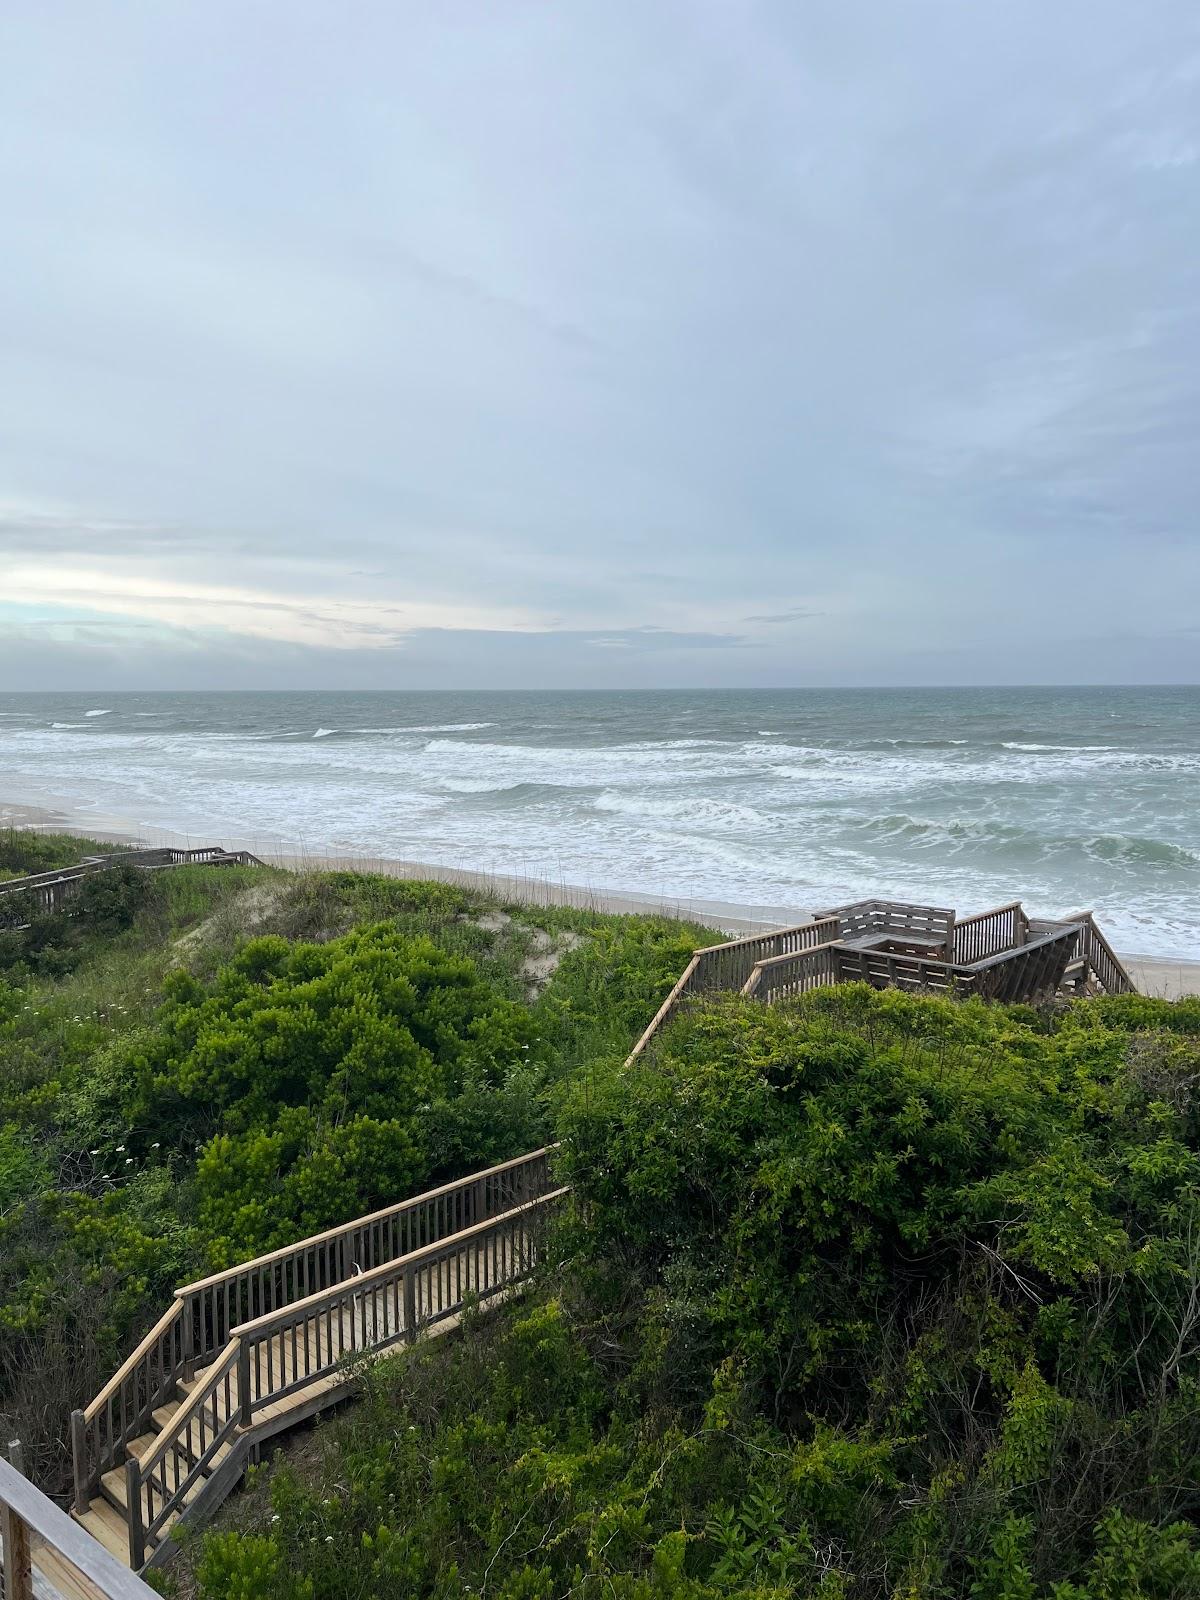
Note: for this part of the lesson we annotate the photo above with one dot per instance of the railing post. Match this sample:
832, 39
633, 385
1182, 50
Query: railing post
18, 1556
245, 1399
79, 1462
410, 1305
188, 1340
133, 1493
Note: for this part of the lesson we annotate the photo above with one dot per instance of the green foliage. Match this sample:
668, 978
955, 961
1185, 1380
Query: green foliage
308, 1075
872, 1296
201, 1063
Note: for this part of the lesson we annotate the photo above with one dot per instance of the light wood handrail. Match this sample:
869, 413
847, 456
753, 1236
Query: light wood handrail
982, 916
300, 1310
130, 1362
24, 1503
353, 1226
171, 1428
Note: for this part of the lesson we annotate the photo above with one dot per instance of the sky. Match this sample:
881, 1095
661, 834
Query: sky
678, 343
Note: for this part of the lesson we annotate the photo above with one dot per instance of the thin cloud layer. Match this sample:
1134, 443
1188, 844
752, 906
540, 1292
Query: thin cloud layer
688, 344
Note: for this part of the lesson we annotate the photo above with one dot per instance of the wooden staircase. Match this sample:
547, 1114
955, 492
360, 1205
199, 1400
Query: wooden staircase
246, 1354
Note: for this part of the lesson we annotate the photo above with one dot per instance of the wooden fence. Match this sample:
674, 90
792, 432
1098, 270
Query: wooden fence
49, 891
1035, 970
931, 925
990, 932
204, 1314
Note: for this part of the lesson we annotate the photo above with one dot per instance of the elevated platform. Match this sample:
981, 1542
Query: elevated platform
1002, 954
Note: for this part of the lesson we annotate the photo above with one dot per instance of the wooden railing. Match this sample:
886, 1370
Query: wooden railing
1094, 962
45, 1552
989, 932
215, 1305
184, 1451
729, 965
1030, 973
783, 977
145, 1380
864, 918
50, 890
204, 1314
299, 1346
1035, 969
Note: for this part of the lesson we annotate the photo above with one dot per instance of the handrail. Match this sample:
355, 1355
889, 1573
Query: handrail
215, 1305
147, 1378
222, 1409
819, 957
131, 1360
361, 1222
271, 1321
668, 1005
988, 963
971, 936
173, 1464
203, 1314
728, 966
26, 1513
1110, 971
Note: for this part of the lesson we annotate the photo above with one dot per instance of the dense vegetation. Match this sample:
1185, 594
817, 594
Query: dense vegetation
200, 1064
871, 1295
874, 1295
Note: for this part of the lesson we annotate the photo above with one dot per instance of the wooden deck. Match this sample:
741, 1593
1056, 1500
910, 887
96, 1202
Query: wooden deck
246, 1354
1001, 954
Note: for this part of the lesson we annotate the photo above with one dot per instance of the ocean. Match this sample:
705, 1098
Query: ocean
1067, 799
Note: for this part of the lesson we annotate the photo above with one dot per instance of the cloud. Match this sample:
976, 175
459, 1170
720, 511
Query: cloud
325, 358
783, 616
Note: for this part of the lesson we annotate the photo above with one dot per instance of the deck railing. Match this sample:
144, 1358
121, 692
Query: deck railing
729, 965
45, 1552
782, 977
932, 924
50, 890
1033, 972
203, 1315
301, 1345
1093, 955
989, 932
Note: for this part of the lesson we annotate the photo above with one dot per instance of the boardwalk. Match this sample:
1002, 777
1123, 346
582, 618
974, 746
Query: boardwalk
246, 1354
1002, 954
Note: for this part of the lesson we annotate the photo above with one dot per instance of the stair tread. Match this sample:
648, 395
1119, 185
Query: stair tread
139, 1446
105, 1523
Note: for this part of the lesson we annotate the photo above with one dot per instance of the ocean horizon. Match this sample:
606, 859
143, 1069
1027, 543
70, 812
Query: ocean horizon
1066, 798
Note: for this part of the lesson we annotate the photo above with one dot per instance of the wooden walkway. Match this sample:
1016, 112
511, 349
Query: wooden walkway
245, 1354
50, 891
1002, 955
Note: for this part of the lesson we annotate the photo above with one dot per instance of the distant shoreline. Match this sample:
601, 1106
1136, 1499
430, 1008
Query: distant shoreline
1161, 976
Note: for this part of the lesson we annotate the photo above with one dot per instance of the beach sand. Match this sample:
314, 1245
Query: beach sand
1162, 976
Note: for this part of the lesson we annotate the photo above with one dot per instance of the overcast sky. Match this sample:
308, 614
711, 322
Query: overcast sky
580, 342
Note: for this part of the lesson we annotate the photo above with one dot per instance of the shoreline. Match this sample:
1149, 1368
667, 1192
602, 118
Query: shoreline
1163, 977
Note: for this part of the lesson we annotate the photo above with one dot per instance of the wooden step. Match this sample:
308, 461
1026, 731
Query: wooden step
105, 1522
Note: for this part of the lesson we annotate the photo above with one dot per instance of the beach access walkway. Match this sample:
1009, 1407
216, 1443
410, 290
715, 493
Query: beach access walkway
1002, 954
246, 1354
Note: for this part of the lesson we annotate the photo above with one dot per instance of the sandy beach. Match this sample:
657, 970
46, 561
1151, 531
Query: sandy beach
1154, 975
